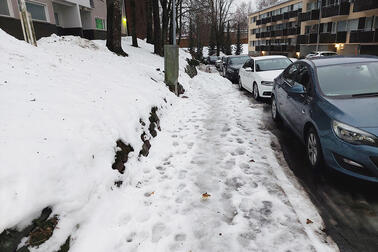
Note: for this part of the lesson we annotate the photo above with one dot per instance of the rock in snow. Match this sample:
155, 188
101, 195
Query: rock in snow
58, 151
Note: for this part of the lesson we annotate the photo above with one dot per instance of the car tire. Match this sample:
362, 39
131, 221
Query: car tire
240, 84
255, 92
274, 110
314, 149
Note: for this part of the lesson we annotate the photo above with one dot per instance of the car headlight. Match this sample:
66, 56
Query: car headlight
267, 83
353, 135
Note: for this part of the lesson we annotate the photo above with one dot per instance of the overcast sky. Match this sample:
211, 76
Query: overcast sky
237, 2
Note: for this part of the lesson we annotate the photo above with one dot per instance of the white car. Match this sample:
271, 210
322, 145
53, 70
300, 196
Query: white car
321, 54
258, 73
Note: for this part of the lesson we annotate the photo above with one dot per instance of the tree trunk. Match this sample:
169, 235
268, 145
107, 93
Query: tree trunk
133, 24
157, 29
148, 7
164, 27
180, 25
113, 35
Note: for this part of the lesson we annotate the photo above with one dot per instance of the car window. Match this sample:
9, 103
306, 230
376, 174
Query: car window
303, 76
249, 63
239, 60
290, 74
349, 79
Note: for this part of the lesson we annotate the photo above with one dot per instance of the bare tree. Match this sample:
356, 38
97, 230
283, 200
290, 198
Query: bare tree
113, 35
148, 6
157, 29
133, 23
261, 4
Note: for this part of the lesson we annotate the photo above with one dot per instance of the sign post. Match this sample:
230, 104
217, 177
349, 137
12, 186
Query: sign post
171, 57
27, 25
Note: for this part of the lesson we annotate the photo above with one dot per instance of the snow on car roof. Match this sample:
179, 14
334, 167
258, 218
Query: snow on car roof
269, 57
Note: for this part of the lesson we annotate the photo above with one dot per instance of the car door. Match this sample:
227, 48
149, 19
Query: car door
284, 84
245, 74
299, 103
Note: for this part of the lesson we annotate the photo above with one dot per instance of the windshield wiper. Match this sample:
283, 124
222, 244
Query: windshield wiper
365, 94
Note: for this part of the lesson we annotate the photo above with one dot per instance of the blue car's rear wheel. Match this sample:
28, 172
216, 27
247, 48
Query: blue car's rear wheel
275, 114
314, 150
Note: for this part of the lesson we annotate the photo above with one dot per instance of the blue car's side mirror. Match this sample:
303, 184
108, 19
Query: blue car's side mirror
298, 89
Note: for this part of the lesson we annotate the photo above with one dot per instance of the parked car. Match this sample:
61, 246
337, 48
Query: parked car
211, 60
331, 103
258, 73
224, 58
321, 54
232, 66
218, 63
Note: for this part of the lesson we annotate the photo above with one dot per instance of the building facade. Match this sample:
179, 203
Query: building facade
85, 18
297, 27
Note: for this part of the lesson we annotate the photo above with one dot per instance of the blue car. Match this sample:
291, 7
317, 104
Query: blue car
331, 103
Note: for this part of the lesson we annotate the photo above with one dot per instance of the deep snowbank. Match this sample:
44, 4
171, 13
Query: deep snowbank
63, 105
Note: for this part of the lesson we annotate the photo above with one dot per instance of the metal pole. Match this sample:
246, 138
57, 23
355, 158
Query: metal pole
318, 35
174, 21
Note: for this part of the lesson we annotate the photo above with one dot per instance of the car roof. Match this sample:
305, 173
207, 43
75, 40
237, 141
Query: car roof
269, 57
337, 60
237, 56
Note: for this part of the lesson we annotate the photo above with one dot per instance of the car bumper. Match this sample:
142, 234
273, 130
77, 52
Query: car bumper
265, 91
232, 76
358, 161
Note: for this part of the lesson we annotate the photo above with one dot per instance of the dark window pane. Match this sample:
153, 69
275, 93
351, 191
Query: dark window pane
36, 11
4, 7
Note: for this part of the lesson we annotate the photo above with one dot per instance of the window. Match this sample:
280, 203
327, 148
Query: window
342, 26
37, 11
100, 23
353, 25
368, 23
333, 30
290, 74
4, 10
376, 23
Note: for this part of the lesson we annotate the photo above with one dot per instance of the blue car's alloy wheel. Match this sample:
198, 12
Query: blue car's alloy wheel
314, 151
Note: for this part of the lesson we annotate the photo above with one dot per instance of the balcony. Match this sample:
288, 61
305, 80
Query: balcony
258, 48
286, 15
336, 10
341, 37
266, 20
302, 39
258, 22
277, 33
258, 35
293, 14
310, 15
327, 38
362, 5
277, 18
361, 37
376, 35
313, 38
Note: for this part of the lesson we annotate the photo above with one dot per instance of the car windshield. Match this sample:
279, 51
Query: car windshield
239, 60
349, 79
213, 58
272, 64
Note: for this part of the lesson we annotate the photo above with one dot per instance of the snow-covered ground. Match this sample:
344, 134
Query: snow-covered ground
205, 51
210, 183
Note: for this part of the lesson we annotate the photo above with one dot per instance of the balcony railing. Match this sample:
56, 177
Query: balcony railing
310, 15
327, 37
302, 39
361, 37
277, 18
258, 35
313, 38
277, 33
336, 10
258, 22
376, 35
362, 5
341, 37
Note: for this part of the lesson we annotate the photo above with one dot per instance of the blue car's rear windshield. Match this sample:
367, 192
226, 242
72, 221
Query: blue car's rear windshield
349, 79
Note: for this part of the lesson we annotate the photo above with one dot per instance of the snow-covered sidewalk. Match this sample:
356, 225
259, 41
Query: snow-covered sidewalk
211, 183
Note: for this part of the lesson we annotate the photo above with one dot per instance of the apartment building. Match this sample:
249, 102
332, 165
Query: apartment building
297, 27
85, 18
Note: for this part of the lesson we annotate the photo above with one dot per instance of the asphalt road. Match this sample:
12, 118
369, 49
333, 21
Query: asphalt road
349, 207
